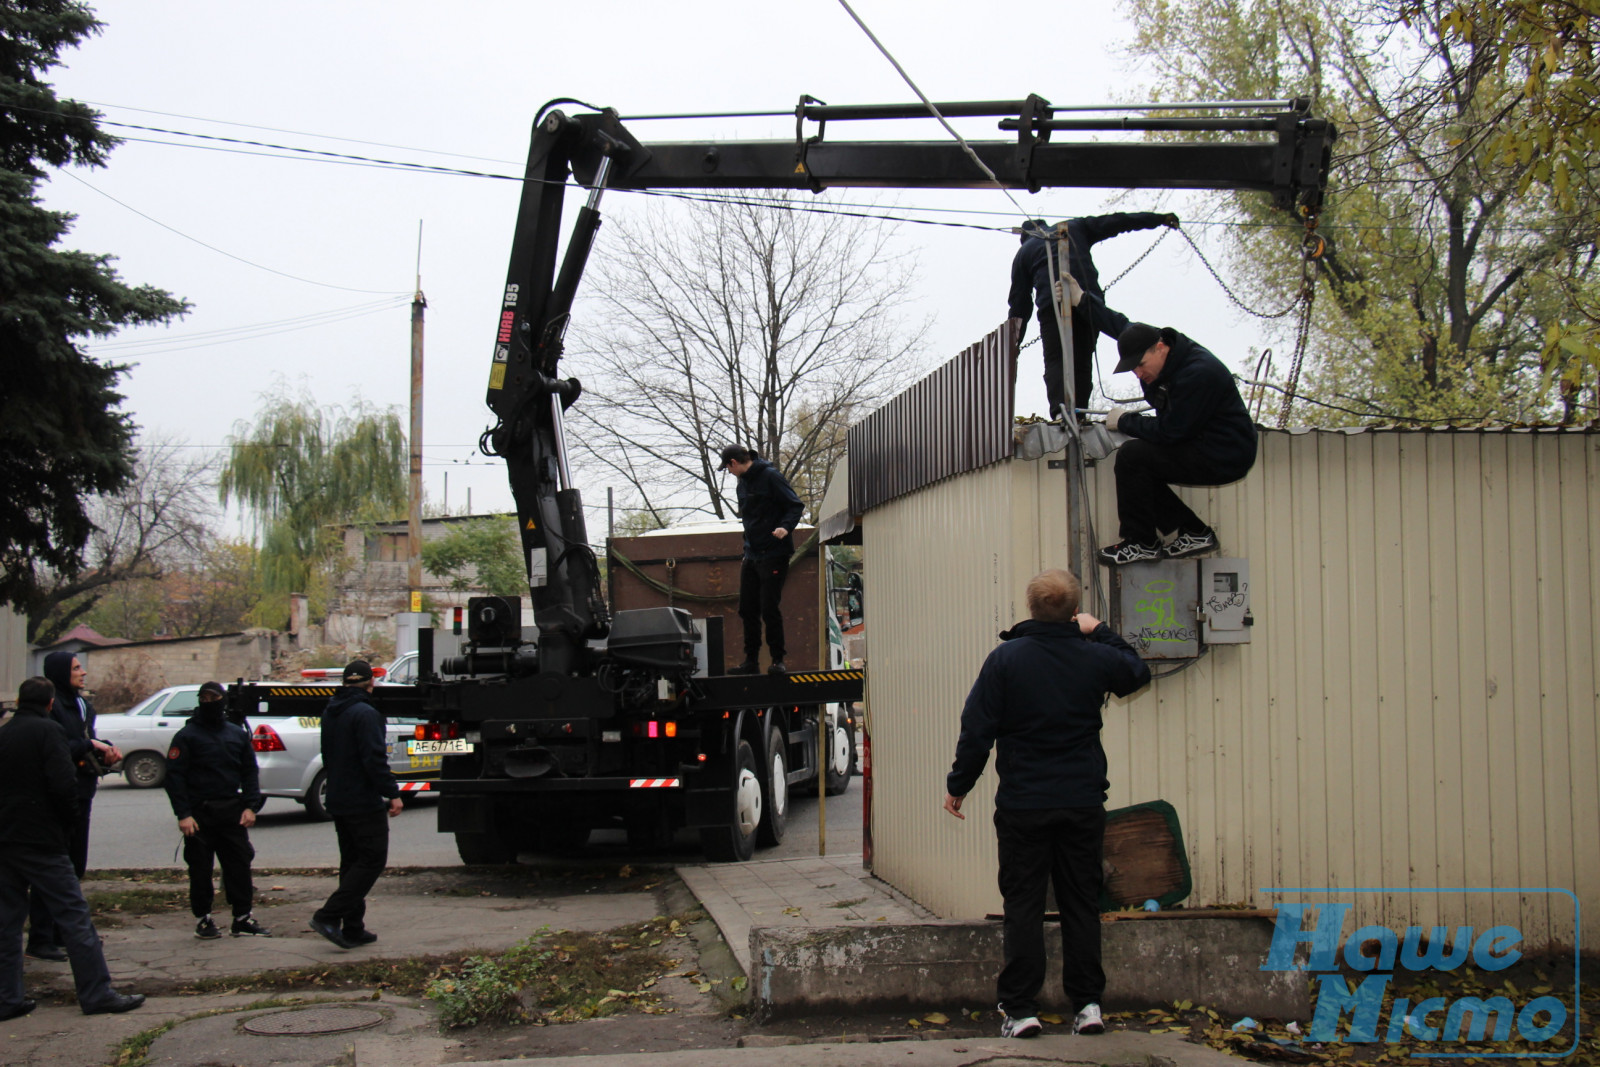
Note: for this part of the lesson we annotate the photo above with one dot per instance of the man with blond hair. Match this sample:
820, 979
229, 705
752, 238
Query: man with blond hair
1038, 698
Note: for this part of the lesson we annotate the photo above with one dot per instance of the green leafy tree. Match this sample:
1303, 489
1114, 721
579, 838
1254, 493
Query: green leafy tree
1440, 286
1554, 45
299, 469
479, 555
62, 439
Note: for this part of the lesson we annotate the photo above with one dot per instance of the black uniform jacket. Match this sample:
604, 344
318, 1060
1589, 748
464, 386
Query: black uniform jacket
1197, 406
766, 502
76, 716
1030, 268
1038, 697
211, 761
38, 797
354, 755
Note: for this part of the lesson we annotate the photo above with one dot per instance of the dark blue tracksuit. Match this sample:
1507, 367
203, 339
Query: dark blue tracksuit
1038, 700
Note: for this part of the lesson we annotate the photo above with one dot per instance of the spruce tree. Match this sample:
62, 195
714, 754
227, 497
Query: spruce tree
62, 437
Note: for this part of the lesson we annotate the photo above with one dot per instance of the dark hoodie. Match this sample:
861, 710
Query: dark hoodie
38, 801
354, 755
1038, 697
766, 502
76, 716
1030, 269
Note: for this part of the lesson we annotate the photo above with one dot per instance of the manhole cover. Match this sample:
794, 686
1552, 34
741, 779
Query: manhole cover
300, 1022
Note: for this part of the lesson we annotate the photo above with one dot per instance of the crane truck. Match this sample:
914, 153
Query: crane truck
590, 716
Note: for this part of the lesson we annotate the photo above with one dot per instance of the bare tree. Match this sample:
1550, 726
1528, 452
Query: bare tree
159, 518
768, 326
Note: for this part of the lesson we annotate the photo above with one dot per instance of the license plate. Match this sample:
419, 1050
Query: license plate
436, 748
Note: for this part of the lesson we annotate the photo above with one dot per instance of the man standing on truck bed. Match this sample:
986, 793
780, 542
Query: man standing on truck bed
362, 798
769, 509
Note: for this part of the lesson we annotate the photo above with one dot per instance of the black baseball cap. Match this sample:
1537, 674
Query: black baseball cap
733, 452
357, 671
1133, 343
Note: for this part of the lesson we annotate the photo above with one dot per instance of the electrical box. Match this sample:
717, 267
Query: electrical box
1153, 607
1225, 601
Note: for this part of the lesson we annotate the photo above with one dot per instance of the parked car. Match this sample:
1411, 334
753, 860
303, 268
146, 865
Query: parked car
144, 732
288, 748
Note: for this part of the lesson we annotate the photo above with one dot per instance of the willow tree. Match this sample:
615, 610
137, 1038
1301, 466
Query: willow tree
300, 470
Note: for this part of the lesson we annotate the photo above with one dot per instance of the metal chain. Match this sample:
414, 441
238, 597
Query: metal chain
1240, 304
1153, 245
1308, 293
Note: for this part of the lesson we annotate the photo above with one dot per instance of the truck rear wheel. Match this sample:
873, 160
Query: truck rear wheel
841, 753
775, 785
735, 840
482, 849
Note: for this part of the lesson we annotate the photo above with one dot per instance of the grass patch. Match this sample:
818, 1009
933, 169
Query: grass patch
402, 977
131, 874
562, 977
849, 903
112, 908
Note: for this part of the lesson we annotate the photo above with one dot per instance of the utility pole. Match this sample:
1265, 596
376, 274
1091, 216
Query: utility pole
414, 525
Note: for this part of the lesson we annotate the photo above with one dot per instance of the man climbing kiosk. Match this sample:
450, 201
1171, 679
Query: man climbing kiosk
1030, 280
1199, 434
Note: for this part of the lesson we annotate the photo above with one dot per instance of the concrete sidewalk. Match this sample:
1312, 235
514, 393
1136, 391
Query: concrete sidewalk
820, 891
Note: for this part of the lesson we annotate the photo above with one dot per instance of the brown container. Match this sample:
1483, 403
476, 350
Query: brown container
682, 570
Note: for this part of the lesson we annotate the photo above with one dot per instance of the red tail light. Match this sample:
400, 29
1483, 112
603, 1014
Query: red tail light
266, 739
436, 731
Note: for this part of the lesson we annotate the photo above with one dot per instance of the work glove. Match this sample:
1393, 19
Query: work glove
1170, 219
1073, 288
1114, 417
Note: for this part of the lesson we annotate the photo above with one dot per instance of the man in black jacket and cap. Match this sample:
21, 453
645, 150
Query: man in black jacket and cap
769, 510
90, 757
1031, 275
214, 785
1038, 699
38, 811
1199, 434
362, 797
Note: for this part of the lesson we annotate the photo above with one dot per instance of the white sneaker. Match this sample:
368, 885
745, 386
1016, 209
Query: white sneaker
1089, 1021
1025, 1026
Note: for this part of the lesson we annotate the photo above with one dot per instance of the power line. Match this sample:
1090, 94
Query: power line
288, 326
214, 248
228, 330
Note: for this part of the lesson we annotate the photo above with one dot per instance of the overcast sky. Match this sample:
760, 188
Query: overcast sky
331, 248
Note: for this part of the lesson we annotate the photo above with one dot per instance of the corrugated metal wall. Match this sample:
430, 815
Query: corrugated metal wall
1417, 708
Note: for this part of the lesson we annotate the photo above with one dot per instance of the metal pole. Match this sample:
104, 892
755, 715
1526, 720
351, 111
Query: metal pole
824, 662
1069, 386
414, 523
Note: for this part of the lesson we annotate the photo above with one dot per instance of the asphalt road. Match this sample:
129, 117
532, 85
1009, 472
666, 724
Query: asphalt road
134, 828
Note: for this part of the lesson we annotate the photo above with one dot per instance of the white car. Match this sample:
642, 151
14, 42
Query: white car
288, 748
144, 732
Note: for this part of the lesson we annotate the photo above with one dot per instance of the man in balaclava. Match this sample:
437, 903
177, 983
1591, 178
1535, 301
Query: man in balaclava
215, 789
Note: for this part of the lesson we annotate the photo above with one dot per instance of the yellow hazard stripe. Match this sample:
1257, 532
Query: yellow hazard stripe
827, 676
300, 691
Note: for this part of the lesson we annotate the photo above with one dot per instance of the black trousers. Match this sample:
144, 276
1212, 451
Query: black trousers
41, 927
760, 601
1083, 341
1064, 847
1146, 503
363, 853
48, 878
223, 841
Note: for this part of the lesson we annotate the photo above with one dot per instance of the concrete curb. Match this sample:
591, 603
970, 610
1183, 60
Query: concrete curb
854, 969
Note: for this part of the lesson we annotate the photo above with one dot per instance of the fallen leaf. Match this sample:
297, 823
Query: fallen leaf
937, 1018
626, 872
1044, 1016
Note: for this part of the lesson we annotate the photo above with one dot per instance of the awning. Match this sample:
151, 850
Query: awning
835, 524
